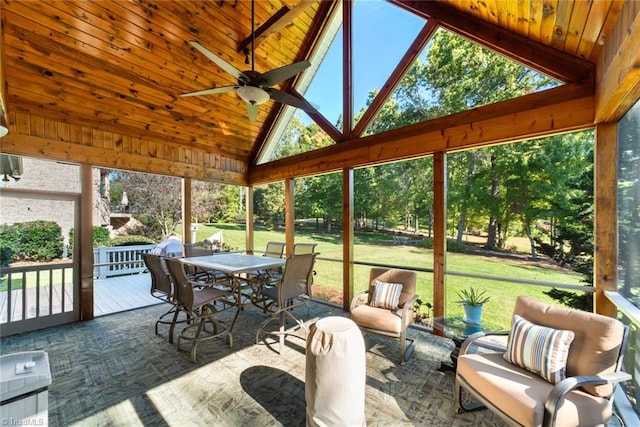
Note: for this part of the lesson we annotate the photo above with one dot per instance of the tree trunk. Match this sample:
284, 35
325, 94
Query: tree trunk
534, 255
495, 192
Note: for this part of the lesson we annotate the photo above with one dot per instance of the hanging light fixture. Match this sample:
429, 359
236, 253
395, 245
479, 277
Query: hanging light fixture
253, 95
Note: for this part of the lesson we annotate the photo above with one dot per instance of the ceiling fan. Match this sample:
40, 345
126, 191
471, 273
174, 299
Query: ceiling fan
254, 87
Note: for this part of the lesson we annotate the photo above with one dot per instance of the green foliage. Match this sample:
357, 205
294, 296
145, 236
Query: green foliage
421, 311
30, 241
131, 241
9, 243
452, 245
472, 297
100, 237
580, 301
6, 256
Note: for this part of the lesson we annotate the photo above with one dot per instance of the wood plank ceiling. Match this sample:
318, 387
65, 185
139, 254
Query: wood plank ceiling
118, 68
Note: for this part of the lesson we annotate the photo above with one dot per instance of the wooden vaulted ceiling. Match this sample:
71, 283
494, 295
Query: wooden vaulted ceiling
99, 82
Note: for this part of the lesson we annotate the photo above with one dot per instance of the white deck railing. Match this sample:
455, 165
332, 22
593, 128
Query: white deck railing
119, 260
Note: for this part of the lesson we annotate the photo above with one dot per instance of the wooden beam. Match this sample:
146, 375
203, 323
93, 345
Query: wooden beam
563, 109
537, 56
326, 9
347, 66
398, 73
275, 23
249, 220
3, 82
33, 146
347, 238
289, 215
618, 72
606, 225
186, 211
439, 232
322, 122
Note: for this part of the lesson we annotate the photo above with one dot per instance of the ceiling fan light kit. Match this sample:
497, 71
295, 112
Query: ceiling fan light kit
254, 87
253, 95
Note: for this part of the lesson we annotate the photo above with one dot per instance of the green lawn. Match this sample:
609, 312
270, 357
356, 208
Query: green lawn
378, 248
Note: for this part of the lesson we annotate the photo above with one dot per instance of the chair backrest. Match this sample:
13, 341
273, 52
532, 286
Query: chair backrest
394, 275
198, 249
160, 279
598, 341
274, 249
295, 281
184, 289
304, 248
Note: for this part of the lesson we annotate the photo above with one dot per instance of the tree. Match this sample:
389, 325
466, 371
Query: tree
155, 200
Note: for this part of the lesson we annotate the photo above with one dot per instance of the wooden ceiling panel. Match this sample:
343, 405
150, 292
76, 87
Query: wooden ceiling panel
120, 66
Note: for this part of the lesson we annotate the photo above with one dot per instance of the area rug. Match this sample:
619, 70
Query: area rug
114, 371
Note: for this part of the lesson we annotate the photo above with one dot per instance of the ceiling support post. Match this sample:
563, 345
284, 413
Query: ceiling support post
605, 257
439, 231
249, 219
347, 237
289, 215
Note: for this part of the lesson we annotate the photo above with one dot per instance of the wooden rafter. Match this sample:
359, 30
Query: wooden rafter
398, 73
537, 56
562, 109
275, 23
347, 67
317, 29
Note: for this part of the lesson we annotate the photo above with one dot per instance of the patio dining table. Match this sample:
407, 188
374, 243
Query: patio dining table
235, 266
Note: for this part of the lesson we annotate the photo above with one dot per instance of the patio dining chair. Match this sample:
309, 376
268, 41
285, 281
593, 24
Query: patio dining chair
163, 289
200, 306
560, 367
292, 291
200, 274
270, 277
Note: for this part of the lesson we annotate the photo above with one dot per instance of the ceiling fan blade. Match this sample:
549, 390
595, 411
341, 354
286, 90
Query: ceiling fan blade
285, 98
211, 91
283, 73
252, 110
217, 60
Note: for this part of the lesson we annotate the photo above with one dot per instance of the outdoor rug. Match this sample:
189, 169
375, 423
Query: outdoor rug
114, 371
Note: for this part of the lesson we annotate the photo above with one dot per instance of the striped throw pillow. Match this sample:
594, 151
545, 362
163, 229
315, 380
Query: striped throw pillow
386, 295
539, 349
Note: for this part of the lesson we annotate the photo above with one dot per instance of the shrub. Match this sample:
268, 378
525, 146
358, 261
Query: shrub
100, 237
35, 241
8, 244
131, 241
6, 256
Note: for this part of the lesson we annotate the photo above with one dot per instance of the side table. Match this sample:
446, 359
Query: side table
456, 329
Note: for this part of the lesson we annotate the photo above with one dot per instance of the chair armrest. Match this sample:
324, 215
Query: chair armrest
356, 298
565, 386
408, 305
471, 339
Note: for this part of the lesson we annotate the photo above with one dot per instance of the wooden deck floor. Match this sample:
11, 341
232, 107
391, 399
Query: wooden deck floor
122, 293
111, 295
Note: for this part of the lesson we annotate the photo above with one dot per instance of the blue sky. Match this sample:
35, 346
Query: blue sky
382, 34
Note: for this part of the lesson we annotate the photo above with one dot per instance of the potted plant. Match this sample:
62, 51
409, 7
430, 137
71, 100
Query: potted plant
472, 301
422, 312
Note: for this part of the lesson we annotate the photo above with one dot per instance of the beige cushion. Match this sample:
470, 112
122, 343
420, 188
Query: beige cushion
386, 295
521, 394
378, 318
597, 340
539, 349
